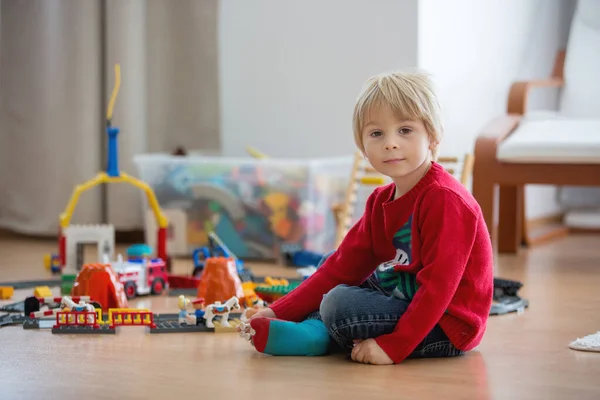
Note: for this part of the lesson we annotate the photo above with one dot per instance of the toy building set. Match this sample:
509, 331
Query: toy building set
246, 207
95, 295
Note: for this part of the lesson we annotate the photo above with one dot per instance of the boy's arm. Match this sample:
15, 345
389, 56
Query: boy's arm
448, 228
350, 264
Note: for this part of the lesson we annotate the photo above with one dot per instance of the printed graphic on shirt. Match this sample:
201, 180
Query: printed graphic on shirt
391, 278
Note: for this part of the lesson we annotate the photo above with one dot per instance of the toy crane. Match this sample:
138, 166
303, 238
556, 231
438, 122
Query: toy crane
114, 175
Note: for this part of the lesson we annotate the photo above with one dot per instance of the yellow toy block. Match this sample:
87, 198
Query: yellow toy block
42, 291
232, 328
276, 282
6, 292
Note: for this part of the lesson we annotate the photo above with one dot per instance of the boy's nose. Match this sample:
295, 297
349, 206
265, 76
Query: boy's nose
391, 146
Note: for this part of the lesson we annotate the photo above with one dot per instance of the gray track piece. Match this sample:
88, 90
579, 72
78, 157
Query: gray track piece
185, 292
69, 329
175, 317
174, 327
11, 320
32, 284
31, 323
18, 307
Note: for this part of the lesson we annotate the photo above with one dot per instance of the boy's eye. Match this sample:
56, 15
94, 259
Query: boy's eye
375, 134
405, 131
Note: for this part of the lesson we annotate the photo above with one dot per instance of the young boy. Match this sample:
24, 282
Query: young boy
414, 276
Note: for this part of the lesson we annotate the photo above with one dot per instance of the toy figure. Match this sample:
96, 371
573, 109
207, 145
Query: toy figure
185, 318
67, 303
199, 313
222, 310
183, 303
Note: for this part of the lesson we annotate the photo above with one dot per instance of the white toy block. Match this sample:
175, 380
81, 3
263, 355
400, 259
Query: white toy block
103, 236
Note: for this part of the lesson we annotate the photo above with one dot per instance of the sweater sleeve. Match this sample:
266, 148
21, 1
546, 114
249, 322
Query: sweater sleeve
350, 264
447, 230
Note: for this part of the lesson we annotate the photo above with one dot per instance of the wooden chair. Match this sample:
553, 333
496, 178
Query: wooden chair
553, 148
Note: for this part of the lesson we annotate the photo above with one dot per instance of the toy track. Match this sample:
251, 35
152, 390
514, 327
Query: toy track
168, 323
18, 307
174, 317
31, 323
11, 320
66, 329
32, 284
174, 327
183, 291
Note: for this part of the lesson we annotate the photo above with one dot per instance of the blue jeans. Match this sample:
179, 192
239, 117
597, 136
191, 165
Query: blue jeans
352, 312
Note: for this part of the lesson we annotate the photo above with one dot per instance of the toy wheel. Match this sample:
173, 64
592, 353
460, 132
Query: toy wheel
158, 285
96, 305
130, 290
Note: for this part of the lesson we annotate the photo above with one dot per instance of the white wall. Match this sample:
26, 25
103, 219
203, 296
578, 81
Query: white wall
290, 70
476, 49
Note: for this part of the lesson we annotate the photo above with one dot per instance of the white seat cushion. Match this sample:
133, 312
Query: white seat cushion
553, 140
584, 219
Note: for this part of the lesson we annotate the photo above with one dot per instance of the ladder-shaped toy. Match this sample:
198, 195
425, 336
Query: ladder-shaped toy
363, 175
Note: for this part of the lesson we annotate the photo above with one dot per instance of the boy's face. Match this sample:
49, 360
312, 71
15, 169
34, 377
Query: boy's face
394, 147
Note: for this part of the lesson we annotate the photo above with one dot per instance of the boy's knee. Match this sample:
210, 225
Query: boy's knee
333, 304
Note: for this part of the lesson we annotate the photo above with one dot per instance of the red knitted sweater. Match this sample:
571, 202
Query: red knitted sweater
452, 263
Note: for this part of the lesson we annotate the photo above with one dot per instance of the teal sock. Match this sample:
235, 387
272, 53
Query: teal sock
283, 338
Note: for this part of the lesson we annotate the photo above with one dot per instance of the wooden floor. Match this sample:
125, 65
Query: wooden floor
523, 356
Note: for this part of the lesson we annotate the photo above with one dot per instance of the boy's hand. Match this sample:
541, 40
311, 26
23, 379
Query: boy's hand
369, 352
265, 312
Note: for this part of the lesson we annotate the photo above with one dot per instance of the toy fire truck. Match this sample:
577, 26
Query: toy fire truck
141, 276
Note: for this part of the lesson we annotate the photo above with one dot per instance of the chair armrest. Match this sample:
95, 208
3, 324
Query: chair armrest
491, 135
519, 93
499, 128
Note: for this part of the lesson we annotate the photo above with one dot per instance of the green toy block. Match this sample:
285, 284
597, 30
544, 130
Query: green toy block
67, 284
69, 277
274, 292
65, 289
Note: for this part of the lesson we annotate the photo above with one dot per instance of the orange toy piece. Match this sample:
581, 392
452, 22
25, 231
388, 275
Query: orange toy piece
6, 292
100, 282
219, 280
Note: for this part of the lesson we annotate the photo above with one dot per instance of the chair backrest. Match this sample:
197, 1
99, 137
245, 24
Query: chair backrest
581, 94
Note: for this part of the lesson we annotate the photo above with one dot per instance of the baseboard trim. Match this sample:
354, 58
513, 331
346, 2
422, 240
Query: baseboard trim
579, 231
539, 222
544, 229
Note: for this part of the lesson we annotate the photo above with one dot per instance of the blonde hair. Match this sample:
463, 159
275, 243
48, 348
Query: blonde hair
409, 95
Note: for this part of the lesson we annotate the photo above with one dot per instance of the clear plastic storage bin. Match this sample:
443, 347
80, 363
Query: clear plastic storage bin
258, 207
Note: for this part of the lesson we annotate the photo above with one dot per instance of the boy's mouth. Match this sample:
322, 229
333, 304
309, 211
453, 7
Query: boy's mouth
393, 160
